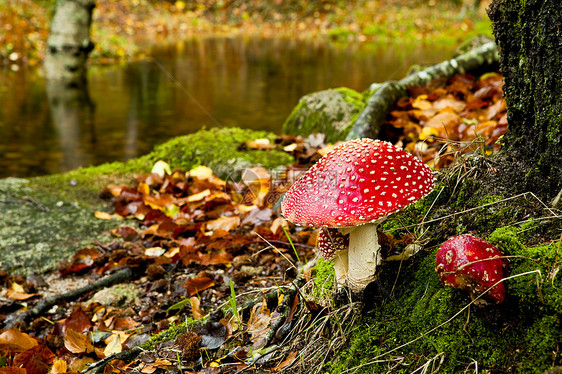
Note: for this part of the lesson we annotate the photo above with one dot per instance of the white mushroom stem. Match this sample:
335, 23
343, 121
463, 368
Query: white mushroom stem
364, 255
341, 266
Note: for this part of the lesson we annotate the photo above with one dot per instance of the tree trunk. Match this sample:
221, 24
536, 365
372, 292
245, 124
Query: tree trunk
529, 39
69, 41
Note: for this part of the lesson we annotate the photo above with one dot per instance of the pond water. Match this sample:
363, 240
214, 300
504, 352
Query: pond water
181, 88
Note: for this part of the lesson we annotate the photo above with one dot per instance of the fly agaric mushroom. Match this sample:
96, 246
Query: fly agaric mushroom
332, 244
473, 265
353, 188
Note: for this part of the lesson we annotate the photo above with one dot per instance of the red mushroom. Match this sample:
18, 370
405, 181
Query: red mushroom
332, 244
353, 188
473, 265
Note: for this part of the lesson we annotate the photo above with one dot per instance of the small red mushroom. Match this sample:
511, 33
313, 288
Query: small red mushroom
353, 188
473, 265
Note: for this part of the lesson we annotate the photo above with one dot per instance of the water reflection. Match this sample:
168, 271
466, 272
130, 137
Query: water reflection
184, 86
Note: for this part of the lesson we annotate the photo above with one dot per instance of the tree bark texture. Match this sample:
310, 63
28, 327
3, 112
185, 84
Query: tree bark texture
529, 38
370, 120
69, 41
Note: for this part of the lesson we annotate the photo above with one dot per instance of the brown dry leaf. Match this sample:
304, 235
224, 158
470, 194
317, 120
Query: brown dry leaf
78, 321
15, 295
59, 367
35, 360
124, 324
258, 324
147, 368
224, 223
80, 364
113, 345
195, 307
257, 216
198, 284
215, 258
445, 122
200, 172
421, 103
261, 144
154, 251
259, 182
102, 215
126, 232
198, 196
76, 342
279, 223
288, 361
16, 339
495, 109
449, 101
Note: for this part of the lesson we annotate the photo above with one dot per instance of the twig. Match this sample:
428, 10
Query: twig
47, 303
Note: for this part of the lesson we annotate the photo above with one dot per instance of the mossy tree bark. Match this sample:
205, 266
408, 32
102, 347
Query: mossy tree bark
529, 39
69, 41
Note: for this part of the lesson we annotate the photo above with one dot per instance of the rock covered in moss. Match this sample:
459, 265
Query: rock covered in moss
331, 112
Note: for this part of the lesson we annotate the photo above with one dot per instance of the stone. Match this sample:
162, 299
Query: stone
331, 112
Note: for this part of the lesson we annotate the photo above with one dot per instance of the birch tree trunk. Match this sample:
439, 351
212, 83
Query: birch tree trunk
69, 41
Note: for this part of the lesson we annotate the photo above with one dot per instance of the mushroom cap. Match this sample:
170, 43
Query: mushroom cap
357, 182
331, 241
473, 265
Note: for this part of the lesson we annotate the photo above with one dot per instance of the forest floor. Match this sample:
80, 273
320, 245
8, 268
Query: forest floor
121, 29
190, 246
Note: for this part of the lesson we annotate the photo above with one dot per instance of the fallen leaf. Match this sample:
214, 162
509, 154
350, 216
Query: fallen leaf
15, 295
161, 168
195, 308
18, 340
279, 223
198, 284
102, 215
200, 172
288, 361
198, 196
78, 321
113, 345
261, 144
76, 342
35, 360
59, 366
154, 251
224, 223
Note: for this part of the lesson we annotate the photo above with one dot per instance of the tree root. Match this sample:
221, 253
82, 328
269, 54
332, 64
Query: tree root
370, 120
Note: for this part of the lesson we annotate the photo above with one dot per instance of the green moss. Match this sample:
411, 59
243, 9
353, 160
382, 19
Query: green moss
223, 150
331, 112
323, 276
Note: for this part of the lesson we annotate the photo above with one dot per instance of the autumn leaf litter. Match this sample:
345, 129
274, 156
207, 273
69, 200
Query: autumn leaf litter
217, 251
